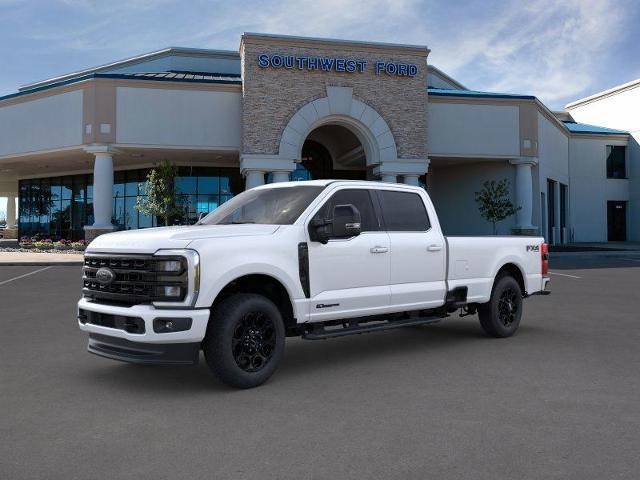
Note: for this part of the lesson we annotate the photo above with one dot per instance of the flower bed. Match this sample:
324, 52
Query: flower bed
36, 244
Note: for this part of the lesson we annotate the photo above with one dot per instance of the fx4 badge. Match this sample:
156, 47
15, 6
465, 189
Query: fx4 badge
533, 248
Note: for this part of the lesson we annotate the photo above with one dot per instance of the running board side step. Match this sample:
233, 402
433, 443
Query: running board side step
321, 333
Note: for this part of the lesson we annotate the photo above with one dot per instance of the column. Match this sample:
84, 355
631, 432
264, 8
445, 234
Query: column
524, 195
408, 168
280, 176
11, 212
388, 178
253, 178
253, 167
102, 191
412, 180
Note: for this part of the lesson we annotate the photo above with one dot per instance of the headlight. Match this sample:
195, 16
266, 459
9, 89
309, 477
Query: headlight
178, 278
171, 266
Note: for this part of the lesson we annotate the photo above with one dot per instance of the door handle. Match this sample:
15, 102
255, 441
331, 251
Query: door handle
434, 248
379, 250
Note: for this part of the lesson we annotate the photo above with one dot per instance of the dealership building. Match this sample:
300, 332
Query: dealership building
75, 150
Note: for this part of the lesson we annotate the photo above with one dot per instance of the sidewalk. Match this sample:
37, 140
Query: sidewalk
37, 259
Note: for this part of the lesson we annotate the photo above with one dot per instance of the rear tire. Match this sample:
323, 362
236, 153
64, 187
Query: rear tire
500, 317
245, 340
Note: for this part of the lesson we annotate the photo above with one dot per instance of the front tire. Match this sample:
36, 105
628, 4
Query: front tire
245, 340
500, 317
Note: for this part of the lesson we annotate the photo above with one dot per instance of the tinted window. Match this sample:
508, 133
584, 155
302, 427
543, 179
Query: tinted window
361, 199
404, 212
616, 167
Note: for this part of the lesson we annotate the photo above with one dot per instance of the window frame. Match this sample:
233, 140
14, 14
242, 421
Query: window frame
378, 195
372, 198
608, 150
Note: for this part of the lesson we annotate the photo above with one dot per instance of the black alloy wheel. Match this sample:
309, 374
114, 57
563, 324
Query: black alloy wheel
500, 316
245, 340
253, 342
508, 306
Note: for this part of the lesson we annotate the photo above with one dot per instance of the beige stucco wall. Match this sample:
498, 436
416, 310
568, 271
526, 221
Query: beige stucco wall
468, 129
178, 117
271, 96
54, 121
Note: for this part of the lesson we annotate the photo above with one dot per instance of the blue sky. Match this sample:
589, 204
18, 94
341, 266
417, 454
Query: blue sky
557, 50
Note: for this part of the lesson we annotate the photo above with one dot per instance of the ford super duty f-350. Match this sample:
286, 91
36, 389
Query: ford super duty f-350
315, 259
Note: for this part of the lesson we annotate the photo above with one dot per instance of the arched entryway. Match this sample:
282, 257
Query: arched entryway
332, 151
337, 136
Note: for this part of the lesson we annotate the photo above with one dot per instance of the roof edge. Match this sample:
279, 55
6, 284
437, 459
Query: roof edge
447, 77
417, 49
114, 76
131, 61
605, 93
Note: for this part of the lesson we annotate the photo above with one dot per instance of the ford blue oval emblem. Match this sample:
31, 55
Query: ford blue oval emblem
105, 276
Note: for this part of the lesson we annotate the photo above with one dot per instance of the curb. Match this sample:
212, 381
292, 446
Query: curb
597, 253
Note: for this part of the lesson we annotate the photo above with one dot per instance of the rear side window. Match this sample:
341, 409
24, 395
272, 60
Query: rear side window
404, 211
361, 199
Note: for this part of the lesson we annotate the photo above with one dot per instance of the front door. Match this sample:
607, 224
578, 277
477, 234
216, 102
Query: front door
418, 252
617, 221
350, 277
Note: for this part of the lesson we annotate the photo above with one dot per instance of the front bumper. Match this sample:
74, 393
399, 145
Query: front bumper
144, 353
130, 334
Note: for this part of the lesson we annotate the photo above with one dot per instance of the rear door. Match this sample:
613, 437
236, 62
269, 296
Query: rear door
350, 277
418, 251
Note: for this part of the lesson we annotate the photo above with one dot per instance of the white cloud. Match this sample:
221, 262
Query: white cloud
545, 48
548, 48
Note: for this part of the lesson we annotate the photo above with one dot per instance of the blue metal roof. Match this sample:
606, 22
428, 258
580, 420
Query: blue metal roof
575, 127
444, 92
188, 77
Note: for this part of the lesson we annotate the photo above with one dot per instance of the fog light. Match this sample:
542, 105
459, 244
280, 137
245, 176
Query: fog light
167, 325
171, 291
170, 266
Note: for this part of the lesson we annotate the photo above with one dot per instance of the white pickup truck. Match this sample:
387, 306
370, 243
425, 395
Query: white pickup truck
315, 259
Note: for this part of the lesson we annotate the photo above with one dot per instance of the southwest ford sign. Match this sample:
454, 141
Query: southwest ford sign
334, 64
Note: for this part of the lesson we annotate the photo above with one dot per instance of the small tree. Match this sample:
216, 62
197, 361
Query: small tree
162, 199
494, 202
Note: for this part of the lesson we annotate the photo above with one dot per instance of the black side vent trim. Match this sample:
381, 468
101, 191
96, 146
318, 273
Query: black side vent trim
303, 266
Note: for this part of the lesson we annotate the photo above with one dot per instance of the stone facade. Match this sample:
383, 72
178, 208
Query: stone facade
271, 96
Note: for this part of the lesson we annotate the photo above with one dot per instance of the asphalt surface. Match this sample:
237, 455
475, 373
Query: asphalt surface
558, 400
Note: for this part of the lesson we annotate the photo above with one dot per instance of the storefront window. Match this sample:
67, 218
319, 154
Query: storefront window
60, 207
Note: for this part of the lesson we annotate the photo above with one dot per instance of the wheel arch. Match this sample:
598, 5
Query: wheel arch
515, 271
266, 285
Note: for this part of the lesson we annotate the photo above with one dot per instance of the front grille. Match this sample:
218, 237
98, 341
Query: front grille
134, 279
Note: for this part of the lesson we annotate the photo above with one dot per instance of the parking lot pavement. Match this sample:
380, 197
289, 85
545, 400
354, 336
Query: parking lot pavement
558, 400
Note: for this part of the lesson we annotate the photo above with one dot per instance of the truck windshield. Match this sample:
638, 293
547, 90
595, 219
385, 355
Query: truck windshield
272, 206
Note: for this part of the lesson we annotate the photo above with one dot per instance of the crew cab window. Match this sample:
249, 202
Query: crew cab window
361, 199
404, 212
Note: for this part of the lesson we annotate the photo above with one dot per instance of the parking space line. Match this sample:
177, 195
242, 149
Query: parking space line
632, 259
564, 275
25, 275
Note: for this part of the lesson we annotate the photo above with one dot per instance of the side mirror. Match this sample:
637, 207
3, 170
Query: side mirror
346, 221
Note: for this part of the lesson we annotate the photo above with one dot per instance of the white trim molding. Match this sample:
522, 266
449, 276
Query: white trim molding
340, 108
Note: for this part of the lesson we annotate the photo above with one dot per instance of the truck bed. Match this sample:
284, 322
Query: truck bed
475, 261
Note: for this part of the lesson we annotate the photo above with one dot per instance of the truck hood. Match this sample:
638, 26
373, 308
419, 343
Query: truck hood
150, 240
